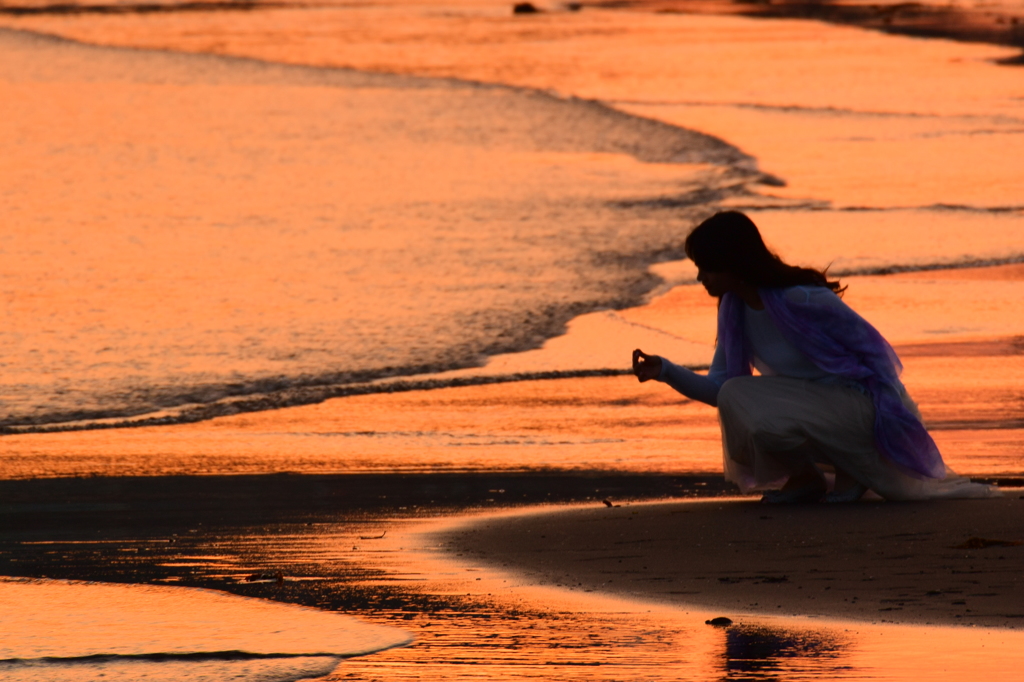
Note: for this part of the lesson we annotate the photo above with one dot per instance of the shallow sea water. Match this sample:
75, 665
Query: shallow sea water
185, 228
267, 228
65, 630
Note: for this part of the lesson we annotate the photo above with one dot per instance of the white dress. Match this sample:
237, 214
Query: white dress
769, 421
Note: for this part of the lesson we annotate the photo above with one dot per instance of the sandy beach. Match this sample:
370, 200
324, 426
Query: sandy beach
940, 563
583, 592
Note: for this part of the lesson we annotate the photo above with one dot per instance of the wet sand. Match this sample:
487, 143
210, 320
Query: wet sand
219, 531
368, 546
940, 563
986, 22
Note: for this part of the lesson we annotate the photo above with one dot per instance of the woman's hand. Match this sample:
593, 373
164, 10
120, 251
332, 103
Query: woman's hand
646, 367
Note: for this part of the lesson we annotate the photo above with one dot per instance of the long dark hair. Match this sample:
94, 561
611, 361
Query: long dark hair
730, 242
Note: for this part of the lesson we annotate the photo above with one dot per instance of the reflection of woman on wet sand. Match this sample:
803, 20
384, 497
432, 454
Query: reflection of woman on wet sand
828, 395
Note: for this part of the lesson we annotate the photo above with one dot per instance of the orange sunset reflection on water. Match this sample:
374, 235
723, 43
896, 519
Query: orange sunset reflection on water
461, 222
547, 631
241, 204
968, 390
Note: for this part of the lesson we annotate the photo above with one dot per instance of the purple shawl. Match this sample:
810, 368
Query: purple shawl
840, 342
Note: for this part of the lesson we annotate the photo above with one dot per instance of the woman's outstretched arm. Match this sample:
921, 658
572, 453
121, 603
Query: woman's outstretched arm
692, 385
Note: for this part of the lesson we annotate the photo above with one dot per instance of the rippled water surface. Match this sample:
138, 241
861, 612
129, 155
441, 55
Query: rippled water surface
183, 229
60, 630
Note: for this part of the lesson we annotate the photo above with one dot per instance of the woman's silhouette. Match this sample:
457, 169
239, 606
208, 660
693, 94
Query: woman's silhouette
828, 397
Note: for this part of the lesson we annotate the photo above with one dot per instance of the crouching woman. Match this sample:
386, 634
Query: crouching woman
827, 398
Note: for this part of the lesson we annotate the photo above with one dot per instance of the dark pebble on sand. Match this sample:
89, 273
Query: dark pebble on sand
524, 8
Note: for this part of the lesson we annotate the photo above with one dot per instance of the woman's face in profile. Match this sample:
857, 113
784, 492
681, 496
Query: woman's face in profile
718, 283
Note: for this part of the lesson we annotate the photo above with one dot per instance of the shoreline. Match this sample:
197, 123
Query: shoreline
941, 563
553, 360
991, 25
988, 24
